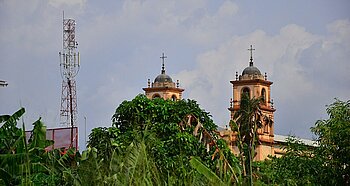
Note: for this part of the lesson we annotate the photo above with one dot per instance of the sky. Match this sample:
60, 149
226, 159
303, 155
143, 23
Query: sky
303, 46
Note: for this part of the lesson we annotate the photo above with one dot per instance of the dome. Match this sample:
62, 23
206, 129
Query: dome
163, 78
251, 70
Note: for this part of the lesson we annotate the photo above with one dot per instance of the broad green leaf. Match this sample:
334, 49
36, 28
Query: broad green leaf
210, 175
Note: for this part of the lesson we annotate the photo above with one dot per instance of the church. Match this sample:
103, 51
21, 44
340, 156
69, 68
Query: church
255, 85
251, 82
163, 86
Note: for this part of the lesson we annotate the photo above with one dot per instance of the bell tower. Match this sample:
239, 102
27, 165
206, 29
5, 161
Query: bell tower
256, 85
163, 86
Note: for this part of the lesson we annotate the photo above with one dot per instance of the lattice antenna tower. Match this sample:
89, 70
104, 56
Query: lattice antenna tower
69, 67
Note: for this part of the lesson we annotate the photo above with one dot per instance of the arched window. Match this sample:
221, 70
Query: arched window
246, 90
155, 96
173, 98
263, 95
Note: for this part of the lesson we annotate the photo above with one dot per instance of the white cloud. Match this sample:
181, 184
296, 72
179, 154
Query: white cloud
340, 30
228, 8
62, 3
282, 56
206, 42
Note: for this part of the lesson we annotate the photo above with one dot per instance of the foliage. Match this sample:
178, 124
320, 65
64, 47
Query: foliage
103, 139
156, 153
9, 133
209, 174
325, 164
180, 129
161, 142
21, 162
226, 173
13, 159
334, 142
246, 121
25, 161
133, 166
165, 119
297, 167
136, 166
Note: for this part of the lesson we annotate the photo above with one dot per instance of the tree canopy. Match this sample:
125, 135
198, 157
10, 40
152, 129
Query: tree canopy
333, 137
178, 131
162, 142
325, 164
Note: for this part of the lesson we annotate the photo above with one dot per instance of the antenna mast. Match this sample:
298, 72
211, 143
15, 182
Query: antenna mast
69, 67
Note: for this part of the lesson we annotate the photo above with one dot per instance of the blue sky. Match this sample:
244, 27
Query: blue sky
304, 46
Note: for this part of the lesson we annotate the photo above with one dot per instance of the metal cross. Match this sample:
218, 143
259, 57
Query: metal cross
251, 52
163, 57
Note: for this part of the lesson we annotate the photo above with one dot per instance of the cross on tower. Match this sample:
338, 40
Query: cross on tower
163, 57
251, 55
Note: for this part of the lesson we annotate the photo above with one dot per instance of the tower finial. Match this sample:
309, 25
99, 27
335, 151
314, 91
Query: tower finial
251, 55
163, 68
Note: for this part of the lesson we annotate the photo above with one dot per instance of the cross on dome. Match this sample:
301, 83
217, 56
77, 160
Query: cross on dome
251, 55
163, 57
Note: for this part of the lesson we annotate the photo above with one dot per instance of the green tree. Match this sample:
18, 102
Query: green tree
178, 129
26, 161
334, 142
245, 123
227, 172
23, 162
298, 166
325, 164
105, 140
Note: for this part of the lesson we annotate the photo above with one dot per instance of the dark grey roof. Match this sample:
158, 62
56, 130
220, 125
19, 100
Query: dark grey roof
163, 78
251, 70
